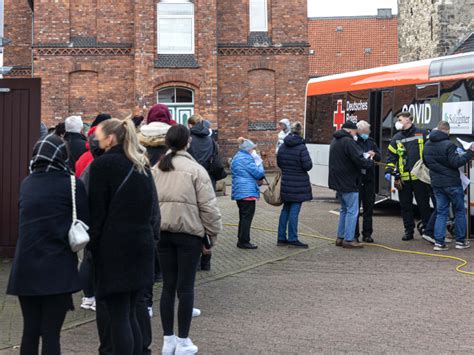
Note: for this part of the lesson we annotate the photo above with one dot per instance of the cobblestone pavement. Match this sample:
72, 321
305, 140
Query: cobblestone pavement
324, 300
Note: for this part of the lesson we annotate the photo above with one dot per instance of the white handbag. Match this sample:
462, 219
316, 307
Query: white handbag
78, 236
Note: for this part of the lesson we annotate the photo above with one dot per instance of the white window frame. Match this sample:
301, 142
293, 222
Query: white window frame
257, 29
175, 96
159, 17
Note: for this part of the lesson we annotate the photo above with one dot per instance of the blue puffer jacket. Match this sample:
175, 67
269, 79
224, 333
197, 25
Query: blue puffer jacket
294, 161
245, 174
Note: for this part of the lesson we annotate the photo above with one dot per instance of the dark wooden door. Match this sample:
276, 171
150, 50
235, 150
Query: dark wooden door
20, 117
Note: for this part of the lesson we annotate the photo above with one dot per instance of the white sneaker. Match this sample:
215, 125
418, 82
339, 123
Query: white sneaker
169, 345
185, 347
150, 311
88, 303
196, 312
463, 245
93, 307
428, 238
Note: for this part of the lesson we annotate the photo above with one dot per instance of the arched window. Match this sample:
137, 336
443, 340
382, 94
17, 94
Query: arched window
179, 100
175, 27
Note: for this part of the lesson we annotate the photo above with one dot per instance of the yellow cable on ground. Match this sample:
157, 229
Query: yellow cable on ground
463, 262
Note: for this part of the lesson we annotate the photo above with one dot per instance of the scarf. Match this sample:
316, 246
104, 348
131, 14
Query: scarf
49, 154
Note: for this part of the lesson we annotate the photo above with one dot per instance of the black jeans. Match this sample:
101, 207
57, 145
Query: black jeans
179, 256
124, 328
144, 320
421, 191
86, 274
367, 200
43, 316
246, 213
103, 328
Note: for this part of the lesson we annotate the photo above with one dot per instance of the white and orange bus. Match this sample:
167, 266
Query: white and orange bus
430, 89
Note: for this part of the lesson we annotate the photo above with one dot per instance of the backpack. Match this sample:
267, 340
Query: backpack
216, 167
272, 194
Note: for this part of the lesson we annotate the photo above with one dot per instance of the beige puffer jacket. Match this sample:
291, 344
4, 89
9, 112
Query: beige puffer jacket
188, 202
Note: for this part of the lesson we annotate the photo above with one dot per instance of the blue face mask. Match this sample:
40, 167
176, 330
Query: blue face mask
364, 136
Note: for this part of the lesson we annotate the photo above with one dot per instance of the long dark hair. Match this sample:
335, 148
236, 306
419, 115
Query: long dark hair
177, 138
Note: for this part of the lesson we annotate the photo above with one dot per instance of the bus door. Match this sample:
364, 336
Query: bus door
381, 117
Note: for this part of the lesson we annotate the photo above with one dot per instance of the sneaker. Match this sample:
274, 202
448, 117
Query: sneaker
169, 345
93, 307
351, 245
407, 236
463, 245
448, 239
282, 243
150, 311
429, 238
88, 303
368, 239
246, 246
196, 312
185, 347
440, 247
298, 244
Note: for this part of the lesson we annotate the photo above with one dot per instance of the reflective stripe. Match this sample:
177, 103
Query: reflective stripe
409, 139
392, 149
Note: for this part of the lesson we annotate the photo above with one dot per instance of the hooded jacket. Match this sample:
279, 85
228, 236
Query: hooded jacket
187, 199
160, 113
441, 158
294, 161
152, 137
202, 145
345, 163
245, 174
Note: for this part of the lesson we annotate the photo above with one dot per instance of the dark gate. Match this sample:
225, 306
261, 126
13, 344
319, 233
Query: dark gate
20, 117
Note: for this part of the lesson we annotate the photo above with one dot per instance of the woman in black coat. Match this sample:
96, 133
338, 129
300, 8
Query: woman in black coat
44, 273
124, 225
294, 161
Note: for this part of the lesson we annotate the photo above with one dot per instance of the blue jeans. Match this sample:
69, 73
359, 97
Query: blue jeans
445, 195
289, 217
348, 215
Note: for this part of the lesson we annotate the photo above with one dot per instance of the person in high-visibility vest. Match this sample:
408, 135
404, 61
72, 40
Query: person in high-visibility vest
405, 149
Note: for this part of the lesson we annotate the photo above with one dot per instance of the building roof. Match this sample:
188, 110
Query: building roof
466, 45
342, 44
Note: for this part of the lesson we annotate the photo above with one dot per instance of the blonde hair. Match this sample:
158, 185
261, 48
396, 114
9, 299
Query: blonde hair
241, 140
195, 119
124, 132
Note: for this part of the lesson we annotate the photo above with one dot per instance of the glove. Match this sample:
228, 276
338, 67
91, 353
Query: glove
460, 151
388, 176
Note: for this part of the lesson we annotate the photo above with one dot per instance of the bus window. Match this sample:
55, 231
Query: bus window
427, 91
321, 115
357, 106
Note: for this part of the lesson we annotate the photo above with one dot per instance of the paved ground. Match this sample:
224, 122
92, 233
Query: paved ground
323, 300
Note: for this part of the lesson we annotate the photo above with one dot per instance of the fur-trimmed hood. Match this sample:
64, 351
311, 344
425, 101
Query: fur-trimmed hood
153, 134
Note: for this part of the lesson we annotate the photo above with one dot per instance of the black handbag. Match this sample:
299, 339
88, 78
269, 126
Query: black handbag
216, 167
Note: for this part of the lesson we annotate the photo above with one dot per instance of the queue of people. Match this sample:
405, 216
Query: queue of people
146, 186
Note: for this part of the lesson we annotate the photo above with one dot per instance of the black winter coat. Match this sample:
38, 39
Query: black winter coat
76, 143
441, 158
202, 145
44, 263
294, 161
125, 224
345, 163
367, 146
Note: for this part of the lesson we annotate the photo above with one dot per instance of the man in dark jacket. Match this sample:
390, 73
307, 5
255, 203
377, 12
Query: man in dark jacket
75, 140
294, 161
367, 183
346, 159
404, 150
444, 162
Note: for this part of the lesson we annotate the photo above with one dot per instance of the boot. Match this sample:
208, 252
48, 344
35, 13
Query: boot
407, 236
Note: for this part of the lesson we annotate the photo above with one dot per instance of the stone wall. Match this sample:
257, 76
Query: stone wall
432, 28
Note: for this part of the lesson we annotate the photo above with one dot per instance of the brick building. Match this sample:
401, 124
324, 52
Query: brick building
342, 44
241, 64
433, 28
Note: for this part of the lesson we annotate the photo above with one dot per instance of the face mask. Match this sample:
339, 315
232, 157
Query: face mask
398, 126
364, 136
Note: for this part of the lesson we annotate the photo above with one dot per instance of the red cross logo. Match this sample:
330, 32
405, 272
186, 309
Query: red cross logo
339, 116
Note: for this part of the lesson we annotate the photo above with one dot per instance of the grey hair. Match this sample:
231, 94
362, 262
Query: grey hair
363, 124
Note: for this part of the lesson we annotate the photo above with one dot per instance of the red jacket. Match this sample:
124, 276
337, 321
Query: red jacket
85, 159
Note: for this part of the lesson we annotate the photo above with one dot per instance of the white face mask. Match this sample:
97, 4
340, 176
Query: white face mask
398, 126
